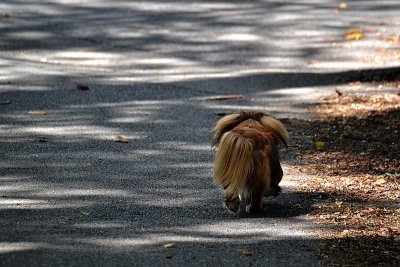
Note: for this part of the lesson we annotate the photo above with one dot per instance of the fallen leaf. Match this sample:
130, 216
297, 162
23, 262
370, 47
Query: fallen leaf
120, 139
313, 61
5, 16
37, 113
372, 30
319, 144
338, 203
354, 34
247, 253
42, 139
396, 174
84, 213
342, 6
225, 97
244, 252
221, 114
6, 102
380, 181
82, 87
169, 245
393, 39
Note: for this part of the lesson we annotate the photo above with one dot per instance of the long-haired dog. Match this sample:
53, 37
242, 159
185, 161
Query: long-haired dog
246, 162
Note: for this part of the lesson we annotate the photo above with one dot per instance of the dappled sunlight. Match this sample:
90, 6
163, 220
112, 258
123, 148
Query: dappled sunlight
101, 225
80, 58
197, 40
77, 122
9, 247
107, 109
168, 202
186, 146
291, 95
81, 131
252, 230
35, 204
149, 240
205, 165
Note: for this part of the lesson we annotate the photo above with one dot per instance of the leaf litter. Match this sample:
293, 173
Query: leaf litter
354, 182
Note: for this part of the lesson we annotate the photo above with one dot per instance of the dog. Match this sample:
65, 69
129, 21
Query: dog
246, 162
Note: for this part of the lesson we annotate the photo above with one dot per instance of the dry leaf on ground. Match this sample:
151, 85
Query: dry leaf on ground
82, 87
5, 16
342, 6
37, 113
319, 144
6, 102
247, 253
354, 34
393, 39
120, 139
380, 181
169, 245
225, 97
84, 213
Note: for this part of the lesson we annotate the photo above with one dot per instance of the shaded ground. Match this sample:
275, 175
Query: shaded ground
352, 151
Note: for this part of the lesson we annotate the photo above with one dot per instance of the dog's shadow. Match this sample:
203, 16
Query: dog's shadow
287, 204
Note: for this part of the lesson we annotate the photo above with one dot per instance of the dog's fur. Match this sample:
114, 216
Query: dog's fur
246, 162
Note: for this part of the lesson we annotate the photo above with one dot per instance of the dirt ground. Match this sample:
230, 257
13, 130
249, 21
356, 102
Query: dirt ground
351, 150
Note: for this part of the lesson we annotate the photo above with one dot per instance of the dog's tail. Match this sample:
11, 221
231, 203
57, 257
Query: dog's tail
276, 127
228, 122
233, 163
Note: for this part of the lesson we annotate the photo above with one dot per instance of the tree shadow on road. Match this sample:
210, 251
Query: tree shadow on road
64, 177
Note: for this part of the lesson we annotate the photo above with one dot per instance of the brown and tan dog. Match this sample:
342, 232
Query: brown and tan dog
246, 162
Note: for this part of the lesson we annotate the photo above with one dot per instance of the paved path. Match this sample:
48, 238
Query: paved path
71, 196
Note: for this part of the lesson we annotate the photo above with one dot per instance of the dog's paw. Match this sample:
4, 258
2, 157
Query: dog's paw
248, 209
233, 205
253, 209
274, 191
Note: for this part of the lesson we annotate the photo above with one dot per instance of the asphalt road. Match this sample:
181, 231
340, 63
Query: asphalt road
71, 196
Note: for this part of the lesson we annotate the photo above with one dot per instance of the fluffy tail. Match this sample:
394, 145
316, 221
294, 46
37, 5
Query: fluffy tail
229, 122
276, 127
233, 163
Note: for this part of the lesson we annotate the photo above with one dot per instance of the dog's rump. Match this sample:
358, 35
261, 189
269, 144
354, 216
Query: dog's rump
246, 162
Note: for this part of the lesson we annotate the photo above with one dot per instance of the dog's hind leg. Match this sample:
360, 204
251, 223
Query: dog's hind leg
276, 175
259, 182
